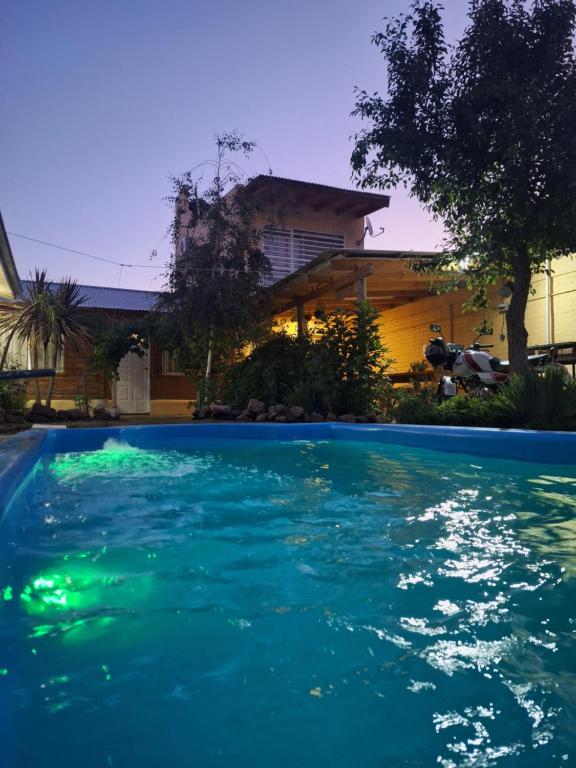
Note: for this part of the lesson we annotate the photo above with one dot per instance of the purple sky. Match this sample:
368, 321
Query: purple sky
102, 101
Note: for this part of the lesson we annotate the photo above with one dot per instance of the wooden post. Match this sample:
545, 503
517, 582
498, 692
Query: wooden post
300, 321
361, 289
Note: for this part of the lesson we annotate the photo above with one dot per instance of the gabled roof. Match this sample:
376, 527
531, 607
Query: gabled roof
353, 202
9, 280
104, 297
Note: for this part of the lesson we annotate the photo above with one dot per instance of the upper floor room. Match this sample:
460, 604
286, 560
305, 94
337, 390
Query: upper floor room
298, 220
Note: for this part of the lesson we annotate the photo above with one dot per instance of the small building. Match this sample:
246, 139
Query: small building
148, 384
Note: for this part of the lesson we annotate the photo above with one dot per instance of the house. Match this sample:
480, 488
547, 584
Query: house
299, 220
408, 307
150, 384
147, 384
314, 236
9, 279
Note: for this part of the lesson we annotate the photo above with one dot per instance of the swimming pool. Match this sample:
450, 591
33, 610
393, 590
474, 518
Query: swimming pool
310, 595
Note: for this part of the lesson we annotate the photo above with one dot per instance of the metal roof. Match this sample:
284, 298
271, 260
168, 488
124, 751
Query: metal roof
356, 202
105, 297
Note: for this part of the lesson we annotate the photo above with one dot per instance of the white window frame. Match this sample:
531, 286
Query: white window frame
168, 362
290, 249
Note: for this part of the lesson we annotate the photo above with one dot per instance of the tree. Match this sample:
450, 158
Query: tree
214, 303
48, 317
112, 344
483, 134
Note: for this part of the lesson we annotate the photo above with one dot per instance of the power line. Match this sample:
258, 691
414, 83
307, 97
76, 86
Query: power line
121, 264
83, 253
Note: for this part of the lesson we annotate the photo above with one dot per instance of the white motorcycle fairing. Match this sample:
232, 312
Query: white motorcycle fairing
474, 362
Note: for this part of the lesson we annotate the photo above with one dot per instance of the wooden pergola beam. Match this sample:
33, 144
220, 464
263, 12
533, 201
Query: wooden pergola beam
335, 286
319, 278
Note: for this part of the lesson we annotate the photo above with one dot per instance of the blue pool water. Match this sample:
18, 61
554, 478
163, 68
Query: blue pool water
258, 603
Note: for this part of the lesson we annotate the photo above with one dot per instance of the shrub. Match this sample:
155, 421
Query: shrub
354, 361
13, 396
342, 371
271, 373
463, 411
546, 401
420, 407
414, 407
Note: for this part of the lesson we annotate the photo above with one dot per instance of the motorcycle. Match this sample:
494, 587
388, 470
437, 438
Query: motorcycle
472, 368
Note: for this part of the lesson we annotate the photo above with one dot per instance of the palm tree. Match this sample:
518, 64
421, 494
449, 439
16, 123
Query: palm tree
47, 315
67, 326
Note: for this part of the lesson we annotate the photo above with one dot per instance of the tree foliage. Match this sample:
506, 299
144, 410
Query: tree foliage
49, 316
341, 371
213, 304
112, 343
482, 133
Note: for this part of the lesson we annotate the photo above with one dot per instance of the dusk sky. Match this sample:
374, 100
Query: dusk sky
101, 102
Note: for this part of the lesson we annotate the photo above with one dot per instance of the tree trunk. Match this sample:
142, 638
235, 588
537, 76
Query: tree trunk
515, 317
208, 375
37, 395
114, 392
50, 391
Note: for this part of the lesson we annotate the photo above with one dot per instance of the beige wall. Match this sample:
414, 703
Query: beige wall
306, 218
321, 221
405, 329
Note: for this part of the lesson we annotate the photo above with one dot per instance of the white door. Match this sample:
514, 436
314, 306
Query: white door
132, 388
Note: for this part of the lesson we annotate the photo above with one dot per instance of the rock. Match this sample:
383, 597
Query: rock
315, 417
347, 418
256, 406
13, 418
73, 414
43, 411
331, 417
221, 411
205, 413
245, 416
297, 412
280, 409
196, 413
373, 418
362, 420
281, 419
105, 414
262, 417
99, 412
2, 415
234, 413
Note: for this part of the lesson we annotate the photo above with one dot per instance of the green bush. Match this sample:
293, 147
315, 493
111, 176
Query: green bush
13, 396
546, 401
464, 411
414, 406
420, 407
272, 373
342, 371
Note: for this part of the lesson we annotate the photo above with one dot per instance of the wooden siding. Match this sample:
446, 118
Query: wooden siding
167, 387
69, 383
405, 330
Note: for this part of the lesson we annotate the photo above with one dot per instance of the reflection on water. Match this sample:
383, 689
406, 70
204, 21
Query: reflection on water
291, 604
